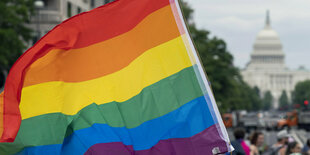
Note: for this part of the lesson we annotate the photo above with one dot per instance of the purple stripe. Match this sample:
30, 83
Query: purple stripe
201, 143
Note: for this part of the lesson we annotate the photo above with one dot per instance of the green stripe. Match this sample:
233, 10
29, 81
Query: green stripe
154, 101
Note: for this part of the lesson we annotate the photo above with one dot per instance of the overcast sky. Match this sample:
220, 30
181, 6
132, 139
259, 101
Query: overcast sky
239, 21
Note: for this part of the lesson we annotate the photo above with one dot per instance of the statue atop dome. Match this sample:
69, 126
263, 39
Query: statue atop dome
267, 19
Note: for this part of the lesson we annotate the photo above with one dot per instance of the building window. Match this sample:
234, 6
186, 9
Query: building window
46, 3
107, 1
79, 10
69, 9
92, 3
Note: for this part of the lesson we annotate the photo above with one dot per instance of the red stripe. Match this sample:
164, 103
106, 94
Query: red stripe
79, 31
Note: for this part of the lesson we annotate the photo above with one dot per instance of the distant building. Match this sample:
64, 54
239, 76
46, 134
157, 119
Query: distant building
267, 69
56, 11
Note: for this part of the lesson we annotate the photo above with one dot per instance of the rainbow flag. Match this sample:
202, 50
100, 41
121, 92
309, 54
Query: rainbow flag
123, 78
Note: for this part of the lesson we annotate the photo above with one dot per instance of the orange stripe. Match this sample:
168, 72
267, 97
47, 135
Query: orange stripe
106, 57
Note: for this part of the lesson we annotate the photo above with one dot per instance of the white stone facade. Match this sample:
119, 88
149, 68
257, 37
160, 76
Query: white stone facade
267, 69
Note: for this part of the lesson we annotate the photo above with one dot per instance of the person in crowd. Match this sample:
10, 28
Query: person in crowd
293, 148
241, 148
306, 148
279, 148
257, 139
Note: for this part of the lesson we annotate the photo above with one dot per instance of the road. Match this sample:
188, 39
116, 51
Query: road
300, 136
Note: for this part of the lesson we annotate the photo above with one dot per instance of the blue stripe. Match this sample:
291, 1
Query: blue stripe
186, 121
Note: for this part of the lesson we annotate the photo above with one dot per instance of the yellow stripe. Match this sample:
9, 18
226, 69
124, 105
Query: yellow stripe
190, 52
68, 98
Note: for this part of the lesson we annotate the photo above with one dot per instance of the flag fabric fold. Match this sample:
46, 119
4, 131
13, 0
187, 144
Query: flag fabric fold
123, 78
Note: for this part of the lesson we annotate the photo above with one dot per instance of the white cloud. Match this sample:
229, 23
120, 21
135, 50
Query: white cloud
235, 22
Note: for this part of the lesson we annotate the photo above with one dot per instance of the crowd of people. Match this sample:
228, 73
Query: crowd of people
254, 144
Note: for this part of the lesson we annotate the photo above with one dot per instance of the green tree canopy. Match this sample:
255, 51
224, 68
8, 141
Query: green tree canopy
267, 100
284, 102
13, 32
230, 91
257, 91
301, 92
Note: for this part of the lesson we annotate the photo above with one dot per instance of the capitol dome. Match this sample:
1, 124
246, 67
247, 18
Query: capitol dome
267, 33
268, 40
267, 48
267, 70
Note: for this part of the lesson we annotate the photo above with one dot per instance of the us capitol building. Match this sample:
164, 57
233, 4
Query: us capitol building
267, 69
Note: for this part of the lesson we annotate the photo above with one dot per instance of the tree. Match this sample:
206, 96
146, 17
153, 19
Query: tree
2, 79
14, 14
267, 100
257, 91
227, 84
301, 92
284, 102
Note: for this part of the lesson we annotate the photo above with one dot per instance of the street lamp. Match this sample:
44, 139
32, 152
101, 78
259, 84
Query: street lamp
38, 4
